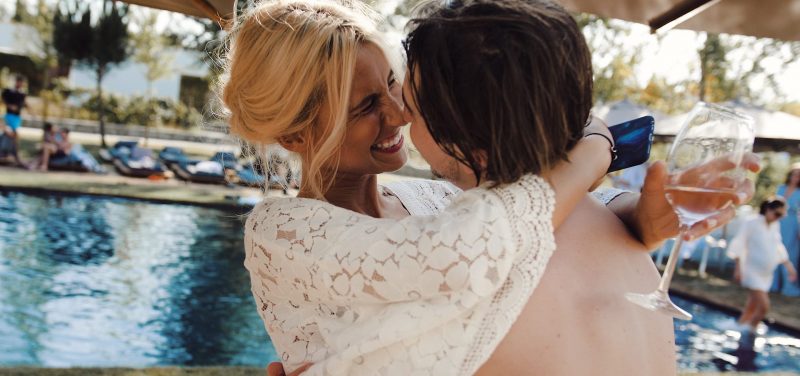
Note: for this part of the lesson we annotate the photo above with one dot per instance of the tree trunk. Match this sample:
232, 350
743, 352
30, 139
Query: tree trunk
150, 117
703, 68
46, 94
101, 108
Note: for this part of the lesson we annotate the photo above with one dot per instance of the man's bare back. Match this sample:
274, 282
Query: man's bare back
577, 322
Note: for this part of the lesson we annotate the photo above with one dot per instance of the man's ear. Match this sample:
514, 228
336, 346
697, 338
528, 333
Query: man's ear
482, 157
296, 143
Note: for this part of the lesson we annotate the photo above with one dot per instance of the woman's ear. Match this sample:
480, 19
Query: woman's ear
295, 143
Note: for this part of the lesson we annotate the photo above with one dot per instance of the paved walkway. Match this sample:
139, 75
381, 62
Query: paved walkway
172, 190
729, 296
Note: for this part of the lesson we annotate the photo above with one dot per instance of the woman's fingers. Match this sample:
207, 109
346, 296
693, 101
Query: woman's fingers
709, 224
745, 192
276, 369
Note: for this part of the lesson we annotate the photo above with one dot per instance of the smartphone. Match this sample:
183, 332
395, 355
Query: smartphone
633, 139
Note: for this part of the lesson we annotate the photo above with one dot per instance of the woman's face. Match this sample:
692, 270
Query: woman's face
373, 143
794, 178
442, 164
775, 214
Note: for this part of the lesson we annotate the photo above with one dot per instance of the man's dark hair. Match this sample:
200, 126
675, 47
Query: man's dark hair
771, 203
508, 78
48, 126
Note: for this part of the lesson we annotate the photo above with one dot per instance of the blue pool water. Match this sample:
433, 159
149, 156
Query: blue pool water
88, 281
703, 344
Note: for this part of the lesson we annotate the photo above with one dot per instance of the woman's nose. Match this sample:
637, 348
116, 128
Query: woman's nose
395, 113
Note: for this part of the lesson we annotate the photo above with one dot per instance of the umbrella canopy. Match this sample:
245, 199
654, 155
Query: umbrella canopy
775, 130
765, 18
218, 10
624, 110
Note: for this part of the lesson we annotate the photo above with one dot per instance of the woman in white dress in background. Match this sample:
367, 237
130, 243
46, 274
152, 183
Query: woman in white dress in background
758, 249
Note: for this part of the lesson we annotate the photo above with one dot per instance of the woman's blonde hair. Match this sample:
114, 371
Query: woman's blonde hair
287, 60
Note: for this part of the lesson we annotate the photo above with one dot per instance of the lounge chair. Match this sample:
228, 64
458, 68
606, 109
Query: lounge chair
121, 148
78, 160
139, 163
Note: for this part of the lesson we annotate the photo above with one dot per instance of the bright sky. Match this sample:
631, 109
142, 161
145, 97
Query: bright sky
674, 58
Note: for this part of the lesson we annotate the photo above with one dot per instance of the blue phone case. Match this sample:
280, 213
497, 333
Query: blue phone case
633, 140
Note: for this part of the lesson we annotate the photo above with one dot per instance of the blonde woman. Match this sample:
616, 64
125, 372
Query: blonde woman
358, 295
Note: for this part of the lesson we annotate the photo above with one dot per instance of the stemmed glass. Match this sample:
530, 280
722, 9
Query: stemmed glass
705, 167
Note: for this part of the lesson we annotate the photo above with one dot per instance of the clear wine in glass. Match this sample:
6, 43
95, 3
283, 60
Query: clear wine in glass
705, 167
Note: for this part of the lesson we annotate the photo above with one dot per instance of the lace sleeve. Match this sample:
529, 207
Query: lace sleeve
606, 195
307, 249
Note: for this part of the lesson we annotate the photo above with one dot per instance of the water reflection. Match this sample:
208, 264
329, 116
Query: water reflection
704, 346
98, 282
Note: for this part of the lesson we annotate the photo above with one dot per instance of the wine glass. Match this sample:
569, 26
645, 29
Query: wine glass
705, 167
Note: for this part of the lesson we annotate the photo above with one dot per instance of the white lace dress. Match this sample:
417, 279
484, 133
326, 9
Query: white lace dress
425, 295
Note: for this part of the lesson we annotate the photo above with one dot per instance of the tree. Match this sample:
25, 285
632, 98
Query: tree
46, 61
98, 47
20, 11
735, 66
614, 66
150, 49
715, 85
72, 35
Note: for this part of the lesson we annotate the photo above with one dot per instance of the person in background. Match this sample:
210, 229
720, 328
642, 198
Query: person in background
790, 233
63, 143
55, 144
758, 250
14, 100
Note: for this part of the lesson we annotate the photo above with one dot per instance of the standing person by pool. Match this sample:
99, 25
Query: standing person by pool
14, 100
758, 250
790, 233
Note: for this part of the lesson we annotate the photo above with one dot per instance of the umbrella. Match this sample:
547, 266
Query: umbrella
218, 10
766, 18
624, 110
775, 130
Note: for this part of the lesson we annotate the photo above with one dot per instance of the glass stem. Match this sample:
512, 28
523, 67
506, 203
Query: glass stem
669, 270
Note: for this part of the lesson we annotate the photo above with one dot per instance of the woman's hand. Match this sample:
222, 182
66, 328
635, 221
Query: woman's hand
276, 369
654, 220
791, 271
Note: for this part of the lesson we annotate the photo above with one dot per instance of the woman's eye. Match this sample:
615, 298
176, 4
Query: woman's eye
369, 107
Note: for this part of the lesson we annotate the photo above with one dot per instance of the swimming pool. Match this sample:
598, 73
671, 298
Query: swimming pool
703, 346
89, 281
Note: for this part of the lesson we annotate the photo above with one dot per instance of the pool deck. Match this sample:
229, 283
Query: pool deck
113, 185
728, 296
